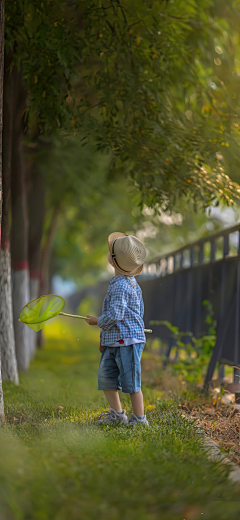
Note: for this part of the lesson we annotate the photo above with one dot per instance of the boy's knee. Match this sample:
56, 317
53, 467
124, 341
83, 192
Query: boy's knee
104, 383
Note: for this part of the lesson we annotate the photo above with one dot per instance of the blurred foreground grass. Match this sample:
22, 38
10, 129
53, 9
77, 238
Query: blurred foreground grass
55, 464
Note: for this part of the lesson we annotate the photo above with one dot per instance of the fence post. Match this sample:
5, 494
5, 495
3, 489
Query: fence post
213, 250
212, 259
160, 269
190, 290
225, 245
192, 256
174, 263
181, 260
189, 301
199, 292
216, 355
160, 265
236, 343
201, 254
221, 372
166, 265
236, 375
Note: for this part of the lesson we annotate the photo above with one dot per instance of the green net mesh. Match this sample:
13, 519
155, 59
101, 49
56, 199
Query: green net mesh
38, 311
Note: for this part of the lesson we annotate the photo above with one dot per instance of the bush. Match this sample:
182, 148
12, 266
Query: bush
195, 354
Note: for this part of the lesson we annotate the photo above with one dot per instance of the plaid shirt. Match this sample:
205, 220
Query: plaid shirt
122, 311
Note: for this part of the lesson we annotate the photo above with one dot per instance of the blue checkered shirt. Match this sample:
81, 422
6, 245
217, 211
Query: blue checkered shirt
122, 311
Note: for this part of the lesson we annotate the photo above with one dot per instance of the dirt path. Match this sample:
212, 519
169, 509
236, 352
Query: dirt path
222, 425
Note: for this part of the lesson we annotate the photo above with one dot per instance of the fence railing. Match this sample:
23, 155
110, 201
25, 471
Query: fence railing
175, 284
195, 253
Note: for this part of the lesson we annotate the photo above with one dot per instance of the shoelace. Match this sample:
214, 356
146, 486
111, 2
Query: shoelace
106, 413
132, 420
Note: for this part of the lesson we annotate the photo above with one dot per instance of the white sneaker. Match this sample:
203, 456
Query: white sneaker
135, 420
111, 417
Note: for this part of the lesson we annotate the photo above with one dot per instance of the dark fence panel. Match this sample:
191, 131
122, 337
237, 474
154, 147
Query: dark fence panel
178, 298
229, 292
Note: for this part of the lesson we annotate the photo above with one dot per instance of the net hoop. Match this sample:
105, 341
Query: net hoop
27, 306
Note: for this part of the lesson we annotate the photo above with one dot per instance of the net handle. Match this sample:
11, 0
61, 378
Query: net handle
85, 318
72, 315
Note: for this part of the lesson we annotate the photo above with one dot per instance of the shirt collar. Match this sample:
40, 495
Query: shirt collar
120, 276
114, 278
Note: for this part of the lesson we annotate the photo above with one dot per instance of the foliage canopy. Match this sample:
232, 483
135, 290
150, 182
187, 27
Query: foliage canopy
144, 79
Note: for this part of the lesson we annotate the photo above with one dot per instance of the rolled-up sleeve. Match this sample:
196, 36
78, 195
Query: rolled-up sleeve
118, 305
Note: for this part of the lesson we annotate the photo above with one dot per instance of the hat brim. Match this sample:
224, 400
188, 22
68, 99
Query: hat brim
111, 238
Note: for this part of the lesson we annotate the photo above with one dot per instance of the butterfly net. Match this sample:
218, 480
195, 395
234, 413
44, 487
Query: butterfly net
36, 312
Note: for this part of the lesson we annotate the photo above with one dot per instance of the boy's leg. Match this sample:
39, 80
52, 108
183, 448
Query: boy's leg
113, 399
128, 361
108, 382
137, 403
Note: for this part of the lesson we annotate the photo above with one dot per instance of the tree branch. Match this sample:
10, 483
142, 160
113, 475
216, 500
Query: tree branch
121, 7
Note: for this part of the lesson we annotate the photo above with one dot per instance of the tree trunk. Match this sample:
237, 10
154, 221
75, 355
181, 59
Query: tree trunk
2, 416
45, 262
36, 217
7, 340
46, 252
19, 232
2, 14
20, 298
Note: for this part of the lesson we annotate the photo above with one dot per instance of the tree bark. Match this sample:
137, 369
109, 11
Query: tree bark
36, 217
45, 262
46, 252
2, 14
7, 340
19, 231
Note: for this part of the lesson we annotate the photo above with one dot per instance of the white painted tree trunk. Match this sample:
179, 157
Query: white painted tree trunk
34, 293
20, 298
2, 416
2, 16
7, 340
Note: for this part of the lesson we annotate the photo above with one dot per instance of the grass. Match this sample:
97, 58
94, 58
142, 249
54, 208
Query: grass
55, 464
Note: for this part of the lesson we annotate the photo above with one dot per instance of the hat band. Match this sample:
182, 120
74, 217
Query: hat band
114, 256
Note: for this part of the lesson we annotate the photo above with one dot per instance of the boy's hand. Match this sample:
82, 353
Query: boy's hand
92, 320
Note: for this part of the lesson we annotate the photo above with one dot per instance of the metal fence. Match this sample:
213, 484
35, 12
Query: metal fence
174, 286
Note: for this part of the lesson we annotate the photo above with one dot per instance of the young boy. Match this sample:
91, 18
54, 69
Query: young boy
122, 338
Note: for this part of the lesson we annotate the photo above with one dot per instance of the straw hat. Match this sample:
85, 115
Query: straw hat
128, 253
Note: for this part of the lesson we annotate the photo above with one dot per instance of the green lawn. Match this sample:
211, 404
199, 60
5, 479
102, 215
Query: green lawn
55, 464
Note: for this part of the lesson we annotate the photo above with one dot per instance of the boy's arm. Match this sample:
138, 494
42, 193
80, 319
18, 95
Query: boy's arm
118, 304
141, 301
141, 308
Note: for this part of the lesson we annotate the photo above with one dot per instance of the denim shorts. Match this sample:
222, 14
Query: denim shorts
120, 368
